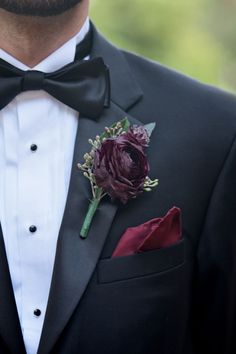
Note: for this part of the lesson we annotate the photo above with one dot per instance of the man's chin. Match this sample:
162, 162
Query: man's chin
40, 8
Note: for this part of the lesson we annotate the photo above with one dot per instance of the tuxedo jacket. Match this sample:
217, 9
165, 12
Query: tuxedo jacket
175, 300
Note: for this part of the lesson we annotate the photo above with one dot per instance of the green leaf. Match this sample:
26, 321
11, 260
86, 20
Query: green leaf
149, 128
125, 124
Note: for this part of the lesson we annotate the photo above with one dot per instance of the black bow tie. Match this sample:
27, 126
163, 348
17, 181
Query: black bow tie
82, 85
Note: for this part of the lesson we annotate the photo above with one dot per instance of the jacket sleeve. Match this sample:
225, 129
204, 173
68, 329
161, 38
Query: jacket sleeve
214, 304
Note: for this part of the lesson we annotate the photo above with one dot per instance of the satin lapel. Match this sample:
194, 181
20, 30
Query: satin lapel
10, 329
125, 90
76, 258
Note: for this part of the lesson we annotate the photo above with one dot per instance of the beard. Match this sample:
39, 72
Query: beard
41, 8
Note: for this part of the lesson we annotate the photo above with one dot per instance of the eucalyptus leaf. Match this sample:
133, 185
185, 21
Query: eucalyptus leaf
149, 128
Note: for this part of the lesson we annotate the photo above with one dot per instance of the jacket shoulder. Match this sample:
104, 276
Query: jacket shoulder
163, 84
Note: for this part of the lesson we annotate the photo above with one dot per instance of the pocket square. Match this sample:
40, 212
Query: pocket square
153, 234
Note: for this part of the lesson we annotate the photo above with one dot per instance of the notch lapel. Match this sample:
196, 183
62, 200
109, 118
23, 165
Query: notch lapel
125, 90
76, 258
10, 329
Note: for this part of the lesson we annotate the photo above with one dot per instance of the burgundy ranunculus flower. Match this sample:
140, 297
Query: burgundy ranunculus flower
121, 167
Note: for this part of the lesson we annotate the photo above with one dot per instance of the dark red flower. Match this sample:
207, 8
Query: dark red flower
121, 167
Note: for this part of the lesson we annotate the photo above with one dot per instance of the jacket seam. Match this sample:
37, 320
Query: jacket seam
214, 187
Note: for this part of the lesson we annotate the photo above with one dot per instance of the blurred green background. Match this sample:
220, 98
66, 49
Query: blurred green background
196, 37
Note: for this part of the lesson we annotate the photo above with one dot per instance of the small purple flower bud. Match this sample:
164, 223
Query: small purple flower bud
141, 134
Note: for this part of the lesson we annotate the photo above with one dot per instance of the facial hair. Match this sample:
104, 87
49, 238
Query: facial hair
40, 8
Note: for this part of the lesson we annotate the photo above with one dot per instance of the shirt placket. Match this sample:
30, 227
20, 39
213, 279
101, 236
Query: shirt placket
35, 209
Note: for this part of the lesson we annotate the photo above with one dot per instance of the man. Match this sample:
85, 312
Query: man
178, 299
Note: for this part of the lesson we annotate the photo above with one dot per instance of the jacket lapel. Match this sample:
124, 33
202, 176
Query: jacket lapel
76, 258
10, 329
125, 91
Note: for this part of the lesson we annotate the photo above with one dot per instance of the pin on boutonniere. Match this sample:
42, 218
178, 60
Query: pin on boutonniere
117, 165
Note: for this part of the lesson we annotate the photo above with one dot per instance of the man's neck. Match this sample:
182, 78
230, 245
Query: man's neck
32, 39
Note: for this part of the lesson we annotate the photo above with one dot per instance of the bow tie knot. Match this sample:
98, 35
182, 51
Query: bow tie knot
32, 80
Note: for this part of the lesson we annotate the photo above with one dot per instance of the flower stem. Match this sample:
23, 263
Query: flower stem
89, 217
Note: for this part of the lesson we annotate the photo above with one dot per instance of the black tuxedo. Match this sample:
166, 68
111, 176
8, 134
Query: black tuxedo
176, 300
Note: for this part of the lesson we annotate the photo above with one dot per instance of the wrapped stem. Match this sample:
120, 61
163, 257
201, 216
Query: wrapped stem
89, 217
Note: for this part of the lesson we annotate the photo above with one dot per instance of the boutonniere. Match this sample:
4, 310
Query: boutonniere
117, 165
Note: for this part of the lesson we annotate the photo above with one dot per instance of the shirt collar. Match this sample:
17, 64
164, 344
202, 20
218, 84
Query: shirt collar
61, 57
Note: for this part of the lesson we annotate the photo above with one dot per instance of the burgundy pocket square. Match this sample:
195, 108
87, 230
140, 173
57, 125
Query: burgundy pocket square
153, 234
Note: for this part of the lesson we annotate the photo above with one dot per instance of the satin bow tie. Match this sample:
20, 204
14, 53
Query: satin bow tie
82, 85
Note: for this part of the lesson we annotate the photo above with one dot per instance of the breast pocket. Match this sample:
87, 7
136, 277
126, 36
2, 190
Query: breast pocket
141, 264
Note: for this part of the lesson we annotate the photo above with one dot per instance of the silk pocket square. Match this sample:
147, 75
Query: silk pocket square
153, 234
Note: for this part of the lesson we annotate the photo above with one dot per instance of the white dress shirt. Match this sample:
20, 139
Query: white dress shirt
37, 136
